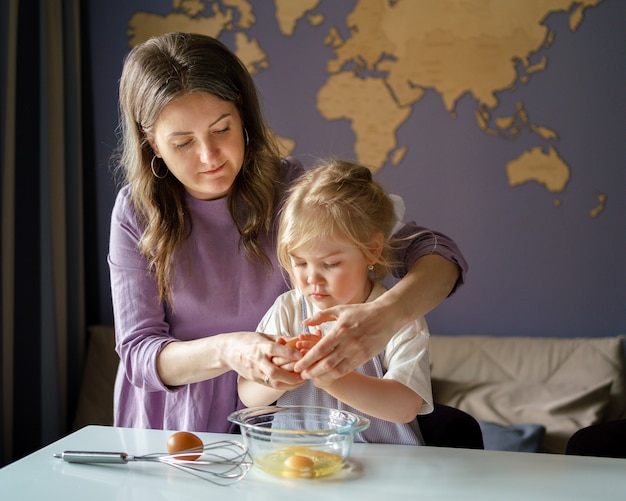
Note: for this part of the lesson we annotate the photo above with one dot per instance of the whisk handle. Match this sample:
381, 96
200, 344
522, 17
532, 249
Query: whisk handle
93, 457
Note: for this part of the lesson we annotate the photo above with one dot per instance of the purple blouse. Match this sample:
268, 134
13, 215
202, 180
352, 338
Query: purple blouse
215, 289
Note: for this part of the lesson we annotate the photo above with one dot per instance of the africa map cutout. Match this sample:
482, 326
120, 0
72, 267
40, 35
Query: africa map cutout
454, 48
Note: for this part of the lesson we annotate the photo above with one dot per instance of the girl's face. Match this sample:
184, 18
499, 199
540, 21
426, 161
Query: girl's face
200, 138
331, 273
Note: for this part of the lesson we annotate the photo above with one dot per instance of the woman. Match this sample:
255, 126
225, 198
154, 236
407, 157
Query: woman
192, 247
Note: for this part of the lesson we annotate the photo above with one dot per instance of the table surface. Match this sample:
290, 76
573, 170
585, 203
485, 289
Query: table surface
393, 471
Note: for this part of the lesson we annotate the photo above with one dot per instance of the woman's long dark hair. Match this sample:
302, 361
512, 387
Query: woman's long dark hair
156, 73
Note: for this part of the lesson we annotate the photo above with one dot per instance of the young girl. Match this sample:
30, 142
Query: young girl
334, 240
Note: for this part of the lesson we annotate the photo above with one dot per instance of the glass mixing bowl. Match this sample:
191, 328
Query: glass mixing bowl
298, 441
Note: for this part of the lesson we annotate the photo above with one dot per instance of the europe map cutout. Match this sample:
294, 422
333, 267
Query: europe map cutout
453, 47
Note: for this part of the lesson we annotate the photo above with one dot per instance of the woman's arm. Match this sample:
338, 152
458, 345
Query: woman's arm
151, 356
381, 398
247, 353
253, 394
361, 331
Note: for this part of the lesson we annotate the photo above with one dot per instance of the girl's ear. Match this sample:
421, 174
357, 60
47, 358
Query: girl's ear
376, 246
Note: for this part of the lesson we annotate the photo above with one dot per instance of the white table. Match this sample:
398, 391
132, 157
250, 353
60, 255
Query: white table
378, 472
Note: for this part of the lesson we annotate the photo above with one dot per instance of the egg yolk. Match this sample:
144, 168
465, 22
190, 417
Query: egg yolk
298, 462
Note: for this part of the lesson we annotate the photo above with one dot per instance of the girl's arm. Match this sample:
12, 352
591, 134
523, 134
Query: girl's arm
253, 394
381, 398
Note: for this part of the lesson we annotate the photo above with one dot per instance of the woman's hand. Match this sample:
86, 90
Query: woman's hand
361, 331
275, 380
253, 357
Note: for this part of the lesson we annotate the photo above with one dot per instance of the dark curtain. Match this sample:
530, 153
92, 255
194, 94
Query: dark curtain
42, 295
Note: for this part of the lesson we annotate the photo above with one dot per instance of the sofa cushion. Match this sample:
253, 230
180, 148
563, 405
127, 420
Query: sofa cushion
562, 384
516, 437
561, 408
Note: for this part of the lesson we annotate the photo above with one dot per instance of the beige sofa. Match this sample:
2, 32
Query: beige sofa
95, 400
509, 383
557, 385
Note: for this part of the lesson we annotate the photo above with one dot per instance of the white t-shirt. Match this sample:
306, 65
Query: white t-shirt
405, 359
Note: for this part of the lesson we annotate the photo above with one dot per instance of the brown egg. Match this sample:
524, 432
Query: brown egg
183, 441
298, 462
292, 342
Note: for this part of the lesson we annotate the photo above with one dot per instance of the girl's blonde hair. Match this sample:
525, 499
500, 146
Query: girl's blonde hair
338, 200
156, 73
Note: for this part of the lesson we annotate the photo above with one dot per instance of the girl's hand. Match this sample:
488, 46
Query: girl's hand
303, 343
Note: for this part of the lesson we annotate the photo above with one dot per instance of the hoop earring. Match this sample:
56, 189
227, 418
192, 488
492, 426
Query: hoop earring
370, 267
245, 133
154, 172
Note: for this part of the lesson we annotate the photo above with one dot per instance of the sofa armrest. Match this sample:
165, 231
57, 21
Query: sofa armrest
95, 401
562, 384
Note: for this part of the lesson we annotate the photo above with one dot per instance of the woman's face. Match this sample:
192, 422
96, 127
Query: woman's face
200, 138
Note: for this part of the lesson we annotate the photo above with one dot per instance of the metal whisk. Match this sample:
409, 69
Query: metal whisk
222, 463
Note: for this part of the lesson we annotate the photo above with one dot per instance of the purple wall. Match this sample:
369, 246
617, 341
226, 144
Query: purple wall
535, 269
